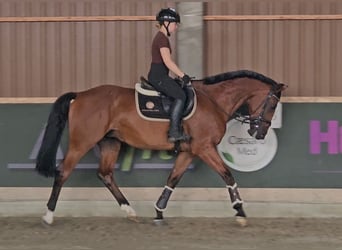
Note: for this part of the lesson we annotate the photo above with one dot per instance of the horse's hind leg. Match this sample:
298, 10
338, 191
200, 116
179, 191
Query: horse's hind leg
182, 162
63, 171
109, 149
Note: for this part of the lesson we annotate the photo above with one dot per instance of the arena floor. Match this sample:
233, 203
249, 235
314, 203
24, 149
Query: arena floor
179, 233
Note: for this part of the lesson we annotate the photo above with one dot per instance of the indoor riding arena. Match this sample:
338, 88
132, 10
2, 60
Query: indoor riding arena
289, 183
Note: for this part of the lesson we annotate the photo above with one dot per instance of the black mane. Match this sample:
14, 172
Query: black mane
238, 74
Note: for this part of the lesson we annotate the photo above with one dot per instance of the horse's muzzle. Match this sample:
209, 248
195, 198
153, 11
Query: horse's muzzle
254, 133
260, 136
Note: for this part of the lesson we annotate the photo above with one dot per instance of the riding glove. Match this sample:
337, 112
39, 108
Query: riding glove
186, 79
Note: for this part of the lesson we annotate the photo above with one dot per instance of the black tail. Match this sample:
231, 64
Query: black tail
46, 160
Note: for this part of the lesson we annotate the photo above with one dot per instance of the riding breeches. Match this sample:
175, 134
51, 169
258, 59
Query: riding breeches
170, 87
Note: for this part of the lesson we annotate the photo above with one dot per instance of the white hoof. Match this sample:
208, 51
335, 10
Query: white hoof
48, 217
242, 221
129, 210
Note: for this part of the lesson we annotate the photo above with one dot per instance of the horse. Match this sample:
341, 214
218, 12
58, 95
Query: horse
106, 117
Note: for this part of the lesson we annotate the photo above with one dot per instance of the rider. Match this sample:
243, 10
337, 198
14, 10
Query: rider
162, 63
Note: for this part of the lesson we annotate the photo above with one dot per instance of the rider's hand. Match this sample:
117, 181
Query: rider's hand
186, 79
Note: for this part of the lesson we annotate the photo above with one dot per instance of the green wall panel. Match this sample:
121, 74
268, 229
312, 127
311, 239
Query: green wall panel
294, 165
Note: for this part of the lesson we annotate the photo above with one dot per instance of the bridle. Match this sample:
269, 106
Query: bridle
255, 121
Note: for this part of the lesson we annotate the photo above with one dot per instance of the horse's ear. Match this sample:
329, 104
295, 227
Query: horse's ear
283, 86
280, 87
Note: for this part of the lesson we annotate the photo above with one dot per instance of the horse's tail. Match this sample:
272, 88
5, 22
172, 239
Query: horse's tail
46, 159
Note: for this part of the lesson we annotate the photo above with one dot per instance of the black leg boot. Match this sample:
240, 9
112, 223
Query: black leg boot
176, 131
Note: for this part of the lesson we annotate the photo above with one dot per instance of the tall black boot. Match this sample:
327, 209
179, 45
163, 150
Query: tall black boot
176, 131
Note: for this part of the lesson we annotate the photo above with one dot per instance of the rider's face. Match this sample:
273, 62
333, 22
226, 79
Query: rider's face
172, 27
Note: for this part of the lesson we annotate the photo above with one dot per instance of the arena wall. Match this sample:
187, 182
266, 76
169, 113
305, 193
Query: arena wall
51, 47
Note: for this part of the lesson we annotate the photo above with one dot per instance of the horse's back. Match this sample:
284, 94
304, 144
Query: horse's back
98, 102
104, 95
104, 91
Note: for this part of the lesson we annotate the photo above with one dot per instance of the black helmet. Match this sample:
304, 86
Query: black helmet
169, 15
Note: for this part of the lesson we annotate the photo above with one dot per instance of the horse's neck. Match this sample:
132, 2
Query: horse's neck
228, 95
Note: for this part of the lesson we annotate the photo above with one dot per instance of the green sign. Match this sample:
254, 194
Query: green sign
308, 155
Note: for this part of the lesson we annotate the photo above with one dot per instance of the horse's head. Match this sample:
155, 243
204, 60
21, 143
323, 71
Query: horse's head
261, 110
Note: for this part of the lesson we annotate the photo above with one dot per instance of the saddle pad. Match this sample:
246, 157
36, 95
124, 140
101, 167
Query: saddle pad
150, 105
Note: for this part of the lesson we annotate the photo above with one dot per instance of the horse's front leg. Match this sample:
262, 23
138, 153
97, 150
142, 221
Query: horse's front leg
213, 159
181, 164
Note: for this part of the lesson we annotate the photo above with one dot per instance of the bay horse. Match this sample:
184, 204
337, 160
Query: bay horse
106, 116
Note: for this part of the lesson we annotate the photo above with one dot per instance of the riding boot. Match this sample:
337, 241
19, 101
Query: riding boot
176, 131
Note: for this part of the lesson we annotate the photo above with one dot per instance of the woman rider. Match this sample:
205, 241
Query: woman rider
161, 64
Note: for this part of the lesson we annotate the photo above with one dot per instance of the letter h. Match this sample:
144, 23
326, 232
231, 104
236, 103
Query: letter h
330, 137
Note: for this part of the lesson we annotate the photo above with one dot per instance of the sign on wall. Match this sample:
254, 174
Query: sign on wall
245, 153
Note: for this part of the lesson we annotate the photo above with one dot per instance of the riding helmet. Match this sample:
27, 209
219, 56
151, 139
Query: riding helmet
169, 15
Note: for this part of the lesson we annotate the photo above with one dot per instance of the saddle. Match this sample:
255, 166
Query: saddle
153, 105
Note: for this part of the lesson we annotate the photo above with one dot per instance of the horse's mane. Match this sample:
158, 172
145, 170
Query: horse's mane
238, 74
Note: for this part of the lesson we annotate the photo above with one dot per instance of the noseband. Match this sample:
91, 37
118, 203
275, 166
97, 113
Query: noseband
260, 118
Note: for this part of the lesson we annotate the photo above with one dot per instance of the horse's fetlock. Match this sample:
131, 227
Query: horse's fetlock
237, 204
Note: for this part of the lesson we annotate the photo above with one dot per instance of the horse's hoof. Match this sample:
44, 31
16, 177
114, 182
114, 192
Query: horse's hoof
133, 218
128, 209
46, 221
242, 221
159, 222
48, 217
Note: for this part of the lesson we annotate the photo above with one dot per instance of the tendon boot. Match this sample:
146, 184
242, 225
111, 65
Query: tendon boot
175, 131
